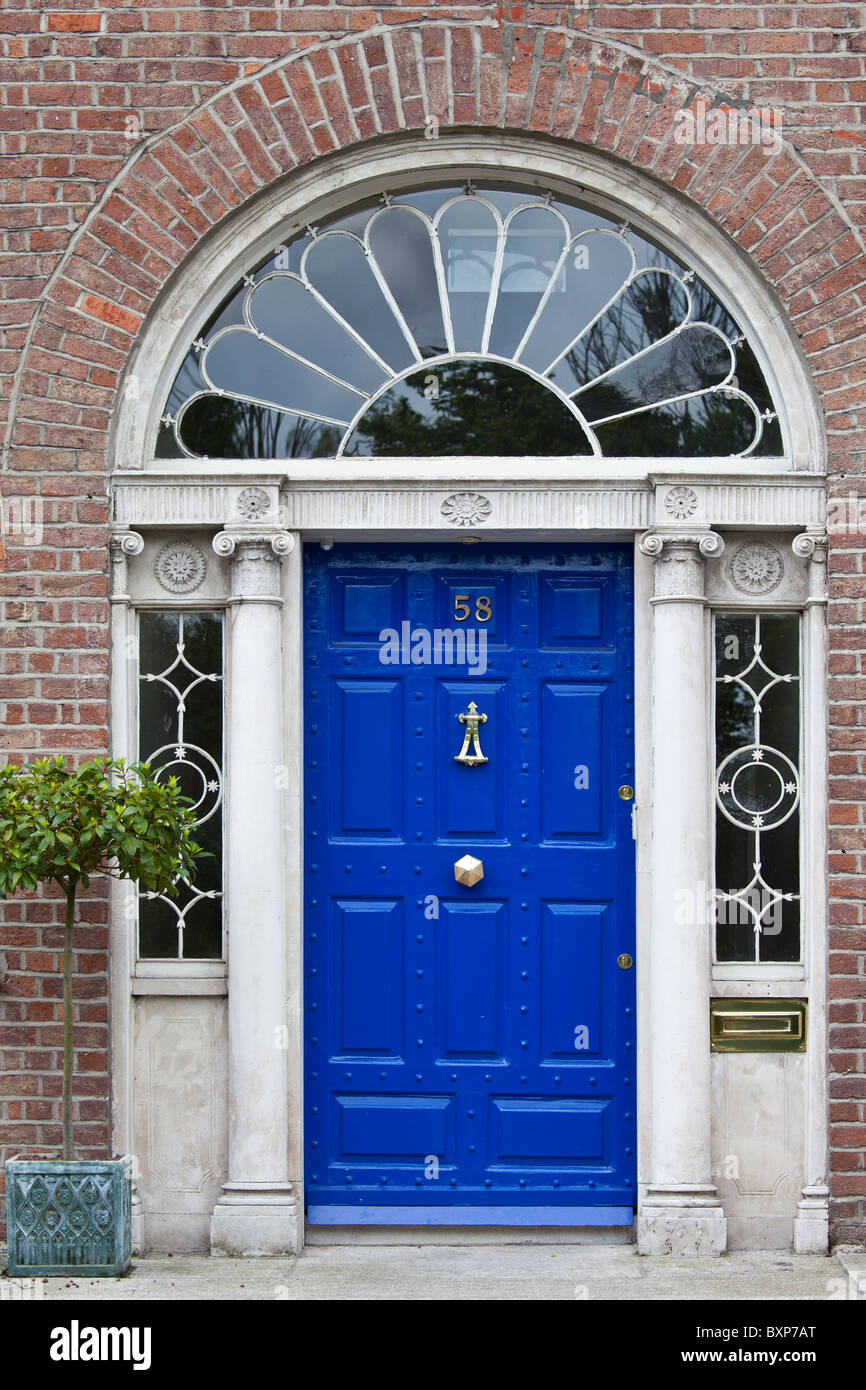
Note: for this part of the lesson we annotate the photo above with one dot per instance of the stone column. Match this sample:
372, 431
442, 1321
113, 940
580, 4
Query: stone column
123, 545
259, 1212
680, 1213
811, 1221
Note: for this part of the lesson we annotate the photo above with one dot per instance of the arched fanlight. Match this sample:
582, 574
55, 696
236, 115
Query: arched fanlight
451, 322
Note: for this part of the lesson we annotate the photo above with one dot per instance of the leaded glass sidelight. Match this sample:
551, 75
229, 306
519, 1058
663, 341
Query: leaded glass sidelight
180, 705
757, 787
474, 320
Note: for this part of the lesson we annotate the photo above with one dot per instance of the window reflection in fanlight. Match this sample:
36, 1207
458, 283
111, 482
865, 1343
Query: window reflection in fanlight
476, 321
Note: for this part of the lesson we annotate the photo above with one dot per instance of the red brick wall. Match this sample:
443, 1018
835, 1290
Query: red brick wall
128, 131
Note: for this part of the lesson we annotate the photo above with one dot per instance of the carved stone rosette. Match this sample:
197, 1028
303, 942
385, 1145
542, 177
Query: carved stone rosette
466, 508
756, 568
253, 503
180, 567
681, 502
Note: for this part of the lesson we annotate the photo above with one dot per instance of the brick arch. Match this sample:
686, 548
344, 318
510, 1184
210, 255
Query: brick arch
495, 75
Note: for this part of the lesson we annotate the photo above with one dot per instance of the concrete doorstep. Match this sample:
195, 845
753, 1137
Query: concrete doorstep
536, 1272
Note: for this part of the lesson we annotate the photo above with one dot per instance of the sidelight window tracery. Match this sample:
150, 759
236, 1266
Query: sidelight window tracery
181, 735
757, 787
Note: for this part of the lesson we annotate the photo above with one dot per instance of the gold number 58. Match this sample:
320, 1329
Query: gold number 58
483, 611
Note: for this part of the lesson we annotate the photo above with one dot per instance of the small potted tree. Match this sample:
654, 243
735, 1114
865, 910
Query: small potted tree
63, 824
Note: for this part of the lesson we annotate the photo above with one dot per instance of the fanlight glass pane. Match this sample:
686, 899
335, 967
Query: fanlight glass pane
279, 306
596, 267
248, 366
533, 248
653, 306
286, 257
400, 241
467, 408
468, 235
220, 427
692, 361
703, 426
340, 269
757, 728
485, 277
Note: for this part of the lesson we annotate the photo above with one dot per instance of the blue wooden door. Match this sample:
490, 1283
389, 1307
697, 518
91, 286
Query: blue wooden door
469, 1050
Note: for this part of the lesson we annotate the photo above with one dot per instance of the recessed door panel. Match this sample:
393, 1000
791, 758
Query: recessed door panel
364, 605
557, 1133
473, 601
468, 806
368, 974
572, 980
404, 1128
470, 1038
575, 611
472, 1007
574, 759
369, 775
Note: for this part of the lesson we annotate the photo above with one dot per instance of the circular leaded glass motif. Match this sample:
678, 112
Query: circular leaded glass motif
197, 773
757, 787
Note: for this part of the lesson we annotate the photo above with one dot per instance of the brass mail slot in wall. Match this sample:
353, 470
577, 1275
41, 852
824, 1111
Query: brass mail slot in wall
758, 1025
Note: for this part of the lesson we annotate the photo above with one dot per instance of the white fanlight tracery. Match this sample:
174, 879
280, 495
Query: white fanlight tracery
339, 319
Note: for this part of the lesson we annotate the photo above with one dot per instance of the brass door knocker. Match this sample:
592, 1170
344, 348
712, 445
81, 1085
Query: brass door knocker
471, 719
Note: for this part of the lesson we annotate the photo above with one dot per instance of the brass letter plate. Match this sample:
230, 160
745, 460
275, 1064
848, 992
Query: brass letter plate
758, 1025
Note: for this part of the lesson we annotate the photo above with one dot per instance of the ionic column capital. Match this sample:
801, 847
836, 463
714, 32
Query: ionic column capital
709, 543
122, 544
255, 554
227, 542
811, 547
679, 557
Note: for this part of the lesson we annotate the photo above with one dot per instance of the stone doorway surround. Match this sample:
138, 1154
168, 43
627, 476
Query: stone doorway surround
678, 519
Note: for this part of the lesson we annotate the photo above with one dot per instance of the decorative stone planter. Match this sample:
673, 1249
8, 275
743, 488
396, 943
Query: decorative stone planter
68, 1216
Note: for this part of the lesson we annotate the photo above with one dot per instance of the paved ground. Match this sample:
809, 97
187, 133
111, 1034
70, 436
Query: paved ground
472, 1272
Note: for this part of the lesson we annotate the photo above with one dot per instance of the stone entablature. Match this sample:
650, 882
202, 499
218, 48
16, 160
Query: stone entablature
417, 496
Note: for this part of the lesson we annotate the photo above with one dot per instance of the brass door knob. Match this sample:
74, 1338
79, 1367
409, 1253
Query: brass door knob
468, 870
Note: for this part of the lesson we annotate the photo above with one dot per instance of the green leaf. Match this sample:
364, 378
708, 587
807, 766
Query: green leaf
113, 815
